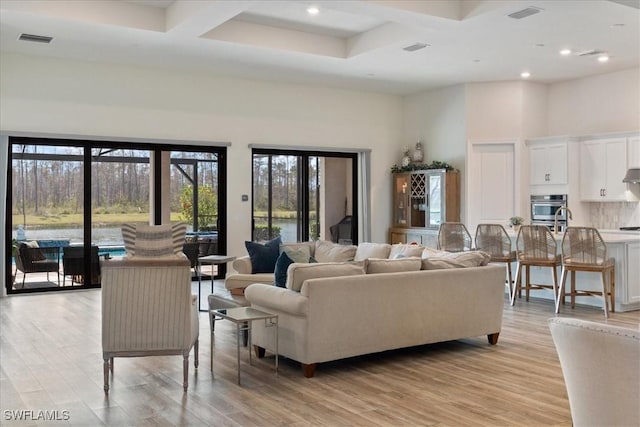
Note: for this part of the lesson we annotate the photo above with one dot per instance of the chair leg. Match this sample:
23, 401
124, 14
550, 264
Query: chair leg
509, 278
527, 286
516, 283
605, 298
105, 369
573, 289
556, 288
563, 279
196, 347
612, 289
185, 368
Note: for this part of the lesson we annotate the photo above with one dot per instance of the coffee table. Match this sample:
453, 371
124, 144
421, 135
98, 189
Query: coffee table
213, 260
243, 317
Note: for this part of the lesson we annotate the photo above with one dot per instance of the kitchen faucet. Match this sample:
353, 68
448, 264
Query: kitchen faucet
555, 218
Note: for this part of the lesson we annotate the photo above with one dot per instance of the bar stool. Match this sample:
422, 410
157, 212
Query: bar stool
535, 246
494, 240
584, 250
454, 237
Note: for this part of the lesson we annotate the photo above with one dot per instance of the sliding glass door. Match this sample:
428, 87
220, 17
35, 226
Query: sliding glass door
68, 200
303, 196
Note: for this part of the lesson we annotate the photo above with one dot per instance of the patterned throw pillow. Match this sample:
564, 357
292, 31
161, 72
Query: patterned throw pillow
263, 256
153, 241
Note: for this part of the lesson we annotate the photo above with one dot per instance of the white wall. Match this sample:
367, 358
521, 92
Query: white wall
56, 96
437, 117
597, 104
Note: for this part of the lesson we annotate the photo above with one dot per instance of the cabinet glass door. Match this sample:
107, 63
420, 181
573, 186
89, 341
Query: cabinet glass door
401, 202
435, 199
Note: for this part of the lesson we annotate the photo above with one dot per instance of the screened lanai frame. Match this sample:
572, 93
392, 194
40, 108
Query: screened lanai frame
155, 149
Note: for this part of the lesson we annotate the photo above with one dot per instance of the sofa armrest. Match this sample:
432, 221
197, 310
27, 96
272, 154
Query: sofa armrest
241, 281
278, 299
242, 265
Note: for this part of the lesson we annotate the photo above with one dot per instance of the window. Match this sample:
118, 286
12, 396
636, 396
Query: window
303, 196
70, 198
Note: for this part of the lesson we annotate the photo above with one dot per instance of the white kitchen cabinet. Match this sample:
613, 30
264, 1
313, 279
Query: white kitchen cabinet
602, 168
633, 151
548, 163
630, 287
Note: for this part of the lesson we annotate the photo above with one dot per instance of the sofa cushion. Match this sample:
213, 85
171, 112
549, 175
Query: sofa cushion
298, 252
456, 260
375, 266
298, 273
401, 250
372, 250
332, 252
263, 256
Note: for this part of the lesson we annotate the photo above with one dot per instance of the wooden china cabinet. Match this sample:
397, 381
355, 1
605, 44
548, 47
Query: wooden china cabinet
422, 200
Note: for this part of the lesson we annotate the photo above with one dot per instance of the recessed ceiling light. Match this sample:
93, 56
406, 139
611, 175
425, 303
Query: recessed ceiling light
525, 74
312, 10
603, 58
565, 52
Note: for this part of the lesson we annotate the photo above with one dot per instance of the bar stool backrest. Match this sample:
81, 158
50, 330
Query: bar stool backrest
454, 237
583, 245
493, 239
535, 242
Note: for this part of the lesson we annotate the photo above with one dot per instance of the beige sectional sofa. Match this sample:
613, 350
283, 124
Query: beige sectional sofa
356, 313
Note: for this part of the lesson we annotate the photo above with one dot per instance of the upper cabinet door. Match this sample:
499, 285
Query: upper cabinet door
592, 171
602, 168
633, 152
616, 155
548, 164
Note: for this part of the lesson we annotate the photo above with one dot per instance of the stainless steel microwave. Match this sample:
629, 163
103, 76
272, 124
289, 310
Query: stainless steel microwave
543, 208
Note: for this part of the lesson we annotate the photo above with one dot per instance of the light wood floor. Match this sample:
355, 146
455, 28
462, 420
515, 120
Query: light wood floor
50, 359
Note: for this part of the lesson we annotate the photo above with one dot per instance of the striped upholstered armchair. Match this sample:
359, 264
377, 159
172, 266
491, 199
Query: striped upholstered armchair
148, 309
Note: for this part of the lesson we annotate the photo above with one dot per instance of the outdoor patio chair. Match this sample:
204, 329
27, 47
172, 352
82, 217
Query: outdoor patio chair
31, 258
73, 265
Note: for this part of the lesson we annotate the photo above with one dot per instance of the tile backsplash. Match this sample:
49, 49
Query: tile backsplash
614, 215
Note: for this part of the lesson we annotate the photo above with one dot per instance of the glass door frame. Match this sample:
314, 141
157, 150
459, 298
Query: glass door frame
303, 189
155, 151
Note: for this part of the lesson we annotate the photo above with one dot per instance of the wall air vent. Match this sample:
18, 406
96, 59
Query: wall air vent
415, 46
525, 12
35, 38
590, 52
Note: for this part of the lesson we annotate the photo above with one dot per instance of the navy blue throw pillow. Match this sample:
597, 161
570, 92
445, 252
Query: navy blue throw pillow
280, 274
263, 256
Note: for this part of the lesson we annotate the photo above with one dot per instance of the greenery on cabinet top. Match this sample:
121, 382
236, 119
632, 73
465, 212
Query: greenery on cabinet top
422, 166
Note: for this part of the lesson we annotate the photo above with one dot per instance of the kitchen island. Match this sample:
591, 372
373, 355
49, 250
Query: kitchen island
624, 247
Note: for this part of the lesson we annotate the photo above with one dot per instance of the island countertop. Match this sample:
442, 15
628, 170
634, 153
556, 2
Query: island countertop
609, 236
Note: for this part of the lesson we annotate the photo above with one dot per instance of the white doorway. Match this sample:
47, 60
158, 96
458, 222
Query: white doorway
492, 182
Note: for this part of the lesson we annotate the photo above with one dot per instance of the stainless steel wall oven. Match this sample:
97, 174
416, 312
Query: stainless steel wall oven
543, 210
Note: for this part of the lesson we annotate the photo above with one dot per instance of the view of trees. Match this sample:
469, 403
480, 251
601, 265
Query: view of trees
48, 182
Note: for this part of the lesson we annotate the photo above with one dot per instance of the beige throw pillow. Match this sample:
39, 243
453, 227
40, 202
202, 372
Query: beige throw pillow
456, 260
298, 273
375, 266
402, 250
372, 250
332, 252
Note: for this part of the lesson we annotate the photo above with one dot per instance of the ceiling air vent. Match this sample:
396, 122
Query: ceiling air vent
415, 46
590, 52
525, 12
35, 38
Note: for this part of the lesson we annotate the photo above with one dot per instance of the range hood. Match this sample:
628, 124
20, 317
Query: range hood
632, 176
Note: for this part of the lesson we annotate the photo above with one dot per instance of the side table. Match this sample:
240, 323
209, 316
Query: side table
213, 260
243, 317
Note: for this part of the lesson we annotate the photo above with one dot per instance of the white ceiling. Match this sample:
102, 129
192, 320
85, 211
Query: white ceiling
354, 44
